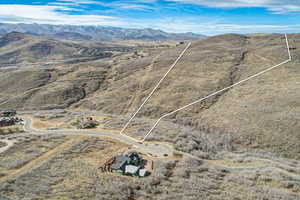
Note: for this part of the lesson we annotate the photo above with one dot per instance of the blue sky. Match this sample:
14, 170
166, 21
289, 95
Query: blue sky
209, 17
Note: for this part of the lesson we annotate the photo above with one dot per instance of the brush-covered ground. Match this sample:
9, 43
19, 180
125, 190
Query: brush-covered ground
67, 167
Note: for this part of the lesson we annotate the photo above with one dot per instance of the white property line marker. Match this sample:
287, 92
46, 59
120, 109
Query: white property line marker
288, 47
218, 92
222, 90
155, 88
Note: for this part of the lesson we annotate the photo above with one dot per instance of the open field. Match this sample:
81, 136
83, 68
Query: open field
74, 156
25, 149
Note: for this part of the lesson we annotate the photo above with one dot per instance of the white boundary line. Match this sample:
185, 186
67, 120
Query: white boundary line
155, 88
222, 90
206, 97
288, 47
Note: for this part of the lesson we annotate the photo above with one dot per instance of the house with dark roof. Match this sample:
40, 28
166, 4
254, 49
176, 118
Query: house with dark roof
135, 159
131, 164
120, 163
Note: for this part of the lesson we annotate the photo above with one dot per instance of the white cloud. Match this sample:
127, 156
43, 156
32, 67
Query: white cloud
78, 2
127, 5
54, 15
51, 15
275, 6
131, 6
215, 28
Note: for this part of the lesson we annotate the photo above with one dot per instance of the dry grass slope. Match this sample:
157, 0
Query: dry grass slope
262, 114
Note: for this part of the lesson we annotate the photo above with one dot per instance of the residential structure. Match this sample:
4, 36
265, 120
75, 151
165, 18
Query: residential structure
120, 163
7, 118
131, 164
87, 122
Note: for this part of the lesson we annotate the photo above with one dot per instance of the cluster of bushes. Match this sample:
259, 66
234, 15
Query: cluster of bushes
2, 144
202, 144
81, 124
7, 131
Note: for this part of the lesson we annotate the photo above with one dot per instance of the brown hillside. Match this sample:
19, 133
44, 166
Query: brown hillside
19, 48
263, 113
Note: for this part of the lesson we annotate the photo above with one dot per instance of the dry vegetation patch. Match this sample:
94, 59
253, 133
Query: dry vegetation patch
11, 130
66, 175
73, 174
2, 144
26, 149
44, 125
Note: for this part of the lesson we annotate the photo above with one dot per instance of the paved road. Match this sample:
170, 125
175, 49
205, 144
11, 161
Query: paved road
153, 149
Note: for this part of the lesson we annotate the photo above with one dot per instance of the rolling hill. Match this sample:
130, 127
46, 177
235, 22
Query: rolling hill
16, 48
262, 114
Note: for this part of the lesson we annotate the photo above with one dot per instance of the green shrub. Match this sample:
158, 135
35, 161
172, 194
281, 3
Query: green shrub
177, 154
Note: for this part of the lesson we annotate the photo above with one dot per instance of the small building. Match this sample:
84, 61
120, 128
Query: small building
87, 122
120, 163
132, 170
143, 173
8, 121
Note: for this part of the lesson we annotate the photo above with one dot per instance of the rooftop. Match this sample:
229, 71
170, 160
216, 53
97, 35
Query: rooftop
131, 169
120, 162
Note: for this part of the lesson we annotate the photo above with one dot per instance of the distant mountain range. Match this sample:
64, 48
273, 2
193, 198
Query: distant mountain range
95, 33
18, 47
